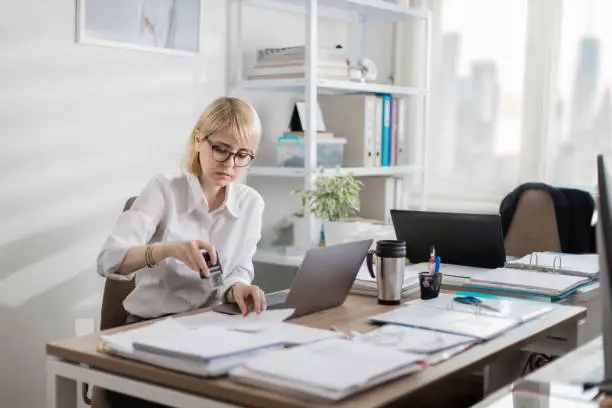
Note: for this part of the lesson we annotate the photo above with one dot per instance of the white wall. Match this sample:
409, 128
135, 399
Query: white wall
81, 129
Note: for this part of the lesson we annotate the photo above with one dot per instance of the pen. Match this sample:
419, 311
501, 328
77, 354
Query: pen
438, 260
432, 259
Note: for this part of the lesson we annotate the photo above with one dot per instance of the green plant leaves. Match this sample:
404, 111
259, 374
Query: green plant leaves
334, 197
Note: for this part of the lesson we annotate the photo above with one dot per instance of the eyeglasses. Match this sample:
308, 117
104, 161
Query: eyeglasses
221, 154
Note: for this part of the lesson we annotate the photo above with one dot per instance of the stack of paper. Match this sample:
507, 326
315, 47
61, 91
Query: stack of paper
475, 325
205, 351
532, 282
252, 320
290, 334
366, 285
568, 264
328, 370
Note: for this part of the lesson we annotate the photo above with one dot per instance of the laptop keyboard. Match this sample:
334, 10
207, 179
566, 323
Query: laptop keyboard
276, 300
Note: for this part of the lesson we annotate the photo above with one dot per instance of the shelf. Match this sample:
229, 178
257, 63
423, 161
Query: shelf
348, 10
298, 85
274, 171
277, 256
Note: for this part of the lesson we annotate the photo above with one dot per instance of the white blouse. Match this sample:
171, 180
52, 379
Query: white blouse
173, 208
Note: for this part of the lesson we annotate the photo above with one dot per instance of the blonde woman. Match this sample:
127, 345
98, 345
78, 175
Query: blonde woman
159, 239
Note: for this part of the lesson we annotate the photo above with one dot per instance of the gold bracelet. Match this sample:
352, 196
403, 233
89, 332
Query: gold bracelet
149, 260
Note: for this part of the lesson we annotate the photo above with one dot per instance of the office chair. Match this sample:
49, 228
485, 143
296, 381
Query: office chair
112, 315
533, 226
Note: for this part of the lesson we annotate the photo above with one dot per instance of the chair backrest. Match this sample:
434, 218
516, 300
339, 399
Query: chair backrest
581, 237
533, 226
113, 313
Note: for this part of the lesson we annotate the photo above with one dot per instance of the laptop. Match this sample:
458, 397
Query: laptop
323, 280
459, 239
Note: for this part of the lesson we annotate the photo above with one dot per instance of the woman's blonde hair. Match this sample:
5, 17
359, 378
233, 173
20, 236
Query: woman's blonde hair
224, 114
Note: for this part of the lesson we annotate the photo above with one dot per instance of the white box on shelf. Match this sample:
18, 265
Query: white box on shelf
290, 151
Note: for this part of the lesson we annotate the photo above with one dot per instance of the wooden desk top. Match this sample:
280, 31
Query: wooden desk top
352, 315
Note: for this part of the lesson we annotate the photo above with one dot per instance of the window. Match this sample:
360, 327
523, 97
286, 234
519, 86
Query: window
581, 126
521, 90
477, 84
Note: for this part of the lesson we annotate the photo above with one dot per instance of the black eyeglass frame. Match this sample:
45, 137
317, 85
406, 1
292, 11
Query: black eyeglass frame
229, 154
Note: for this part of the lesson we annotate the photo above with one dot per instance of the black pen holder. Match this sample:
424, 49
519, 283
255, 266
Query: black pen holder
430, 284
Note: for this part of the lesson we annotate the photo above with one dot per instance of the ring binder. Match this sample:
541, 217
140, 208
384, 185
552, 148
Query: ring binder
536, 259
585, 265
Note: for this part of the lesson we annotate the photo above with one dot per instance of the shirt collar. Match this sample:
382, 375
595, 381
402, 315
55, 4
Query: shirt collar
198, 201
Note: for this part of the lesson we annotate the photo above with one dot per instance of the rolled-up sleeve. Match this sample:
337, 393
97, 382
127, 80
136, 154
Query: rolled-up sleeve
134, 227
244, 272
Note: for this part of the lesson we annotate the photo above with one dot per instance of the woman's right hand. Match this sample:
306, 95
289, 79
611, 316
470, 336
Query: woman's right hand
189, 252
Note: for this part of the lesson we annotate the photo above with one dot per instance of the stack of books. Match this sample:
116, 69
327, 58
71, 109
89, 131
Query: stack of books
290, 62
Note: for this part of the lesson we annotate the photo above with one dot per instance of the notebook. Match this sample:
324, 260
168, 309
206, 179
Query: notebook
527, 281
568, 264
328, 370
475, 325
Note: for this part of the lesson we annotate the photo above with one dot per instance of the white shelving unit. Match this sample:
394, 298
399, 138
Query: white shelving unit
347, 11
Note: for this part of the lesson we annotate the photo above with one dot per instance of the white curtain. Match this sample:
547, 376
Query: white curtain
520, 90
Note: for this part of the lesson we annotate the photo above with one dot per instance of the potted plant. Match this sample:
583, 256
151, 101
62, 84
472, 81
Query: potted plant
301, 224
333, 199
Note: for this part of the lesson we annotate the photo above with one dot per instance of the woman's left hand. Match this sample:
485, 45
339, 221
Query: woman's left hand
250, 298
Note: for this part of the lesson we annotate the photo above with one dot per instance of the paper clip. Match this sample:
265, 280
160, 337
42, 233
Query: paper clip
477, 310
536, 259
555, 262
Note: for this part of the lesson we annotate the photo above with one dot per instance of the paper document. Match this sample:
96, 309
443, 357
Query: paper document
329, 369
519, 309
291, 334
253, 321
205, 343
122, 344
529, 281
474, 325
412, 339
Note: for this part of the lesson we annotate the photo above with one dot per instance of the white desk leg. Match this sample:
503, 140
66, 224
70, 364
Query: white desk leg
61, 391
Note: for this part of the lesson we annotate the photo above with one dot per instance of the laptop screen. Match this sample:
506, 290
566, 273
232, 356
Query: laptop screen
459, 239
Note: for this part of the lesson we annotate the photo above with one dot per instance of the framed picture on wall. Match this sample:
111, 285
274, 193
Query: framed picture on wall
168, 26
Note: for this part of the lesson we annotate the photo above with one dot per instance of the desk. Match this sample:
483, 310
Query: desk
585, 364
76, 360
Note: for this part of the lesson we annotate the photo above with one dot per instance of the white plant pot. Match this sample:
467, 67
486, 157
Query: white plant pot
338, 232
300, 234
